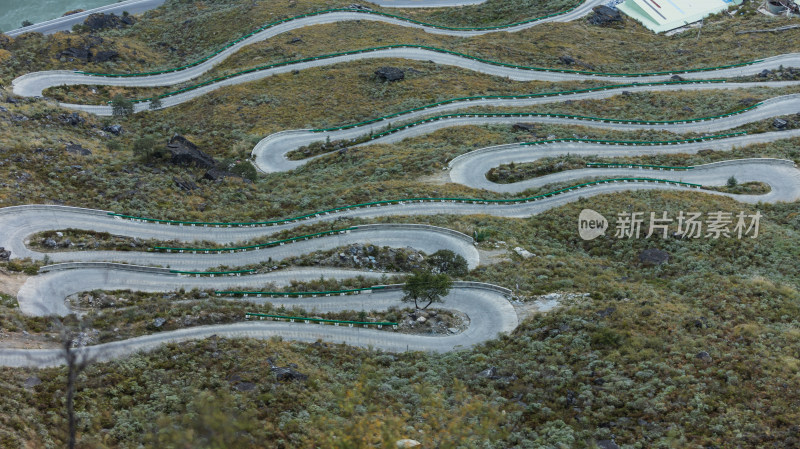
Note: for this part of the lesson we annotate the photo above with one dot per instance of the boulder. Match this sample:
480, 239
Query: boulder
489, 373
604, 15
703, 356
5, 255
527, 127
286, 373
158, 322
113, 129
780, 123
390, 74
653, 256
607, 444
105, 55
75, 148
101, 21
407, 443
31, 382
676, 78
184, 152
80, 53
245, 386
185, 185
359, 7
215, 174
72, 119
524, 253
568, 60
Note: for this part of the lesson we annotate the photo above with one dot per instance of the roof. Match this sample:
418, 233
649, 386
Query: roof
665, 15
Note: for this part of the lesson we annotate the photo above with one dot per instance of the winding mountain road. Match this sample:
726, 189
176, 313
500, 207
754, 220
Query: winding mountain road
487, 306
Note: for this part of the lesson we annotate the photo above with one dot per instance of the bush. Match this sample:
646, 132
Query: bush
447, 262
246, 170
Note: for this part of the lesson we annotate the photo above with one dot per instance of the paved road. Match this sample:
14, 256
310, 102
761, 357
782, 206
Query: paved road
270, 153
490, 311
427, 239
139, 6
65, 23
33, 84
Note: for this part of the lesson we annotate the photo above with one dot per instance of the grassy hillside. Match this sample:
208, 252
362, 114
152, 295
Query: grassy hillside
699, 352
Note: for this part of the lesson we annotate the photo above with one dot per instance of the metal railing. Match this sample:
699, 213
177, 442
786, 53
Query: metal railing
319, 320
395, 202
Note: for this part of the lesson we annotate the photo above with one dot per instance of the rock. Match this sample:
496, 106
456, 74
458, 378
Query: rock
359, 7
652, 256
489, 373
31, 382
780, 123
50, 243
676, 78
524, 253
452, 330
703, 356
245, 386
568, 60
100, 21
185, 152
607, 444
764, 73
421, 319
606, 312
74, 148
72, 119
114, 129
390, 74
184, 184
5, 255
105, 55
82, 54
216, 174
528, 127
604, 15
158, 322
407, 443
287, 373
295, 40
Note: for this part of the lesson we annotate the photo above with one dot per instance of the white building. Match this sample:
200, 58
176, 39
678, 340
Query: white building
665, 15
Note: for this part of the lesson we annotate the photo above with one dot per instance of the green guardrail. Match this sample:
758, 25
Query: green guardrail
319, 320
213, 273
259, 294
423, 47
554, 115
328, 11
258, 246
227, 46
398, 201
619, 164
515, 97
638, 142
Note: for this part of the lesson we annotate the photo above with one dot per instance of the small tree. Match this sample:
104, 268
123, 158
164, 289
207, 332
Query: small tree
121, 106
246, 170
155, 104
145, 148
732, 182
447, 262
426, 286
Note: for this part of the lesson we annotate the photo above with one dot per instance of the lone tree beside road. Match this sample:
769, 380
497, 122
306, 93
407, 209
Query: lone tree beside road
121, 106
426, 286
